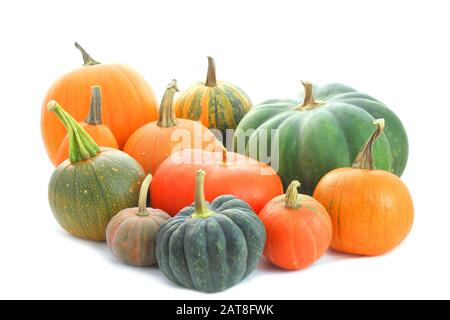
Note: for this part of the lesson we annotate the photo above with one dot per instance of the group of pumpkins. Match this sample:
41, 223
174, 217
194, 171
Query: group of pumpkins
216, 212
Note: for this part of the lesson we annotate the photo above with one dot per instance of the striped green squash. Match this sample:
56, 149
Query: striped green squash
218, 105
321, 132
93, 185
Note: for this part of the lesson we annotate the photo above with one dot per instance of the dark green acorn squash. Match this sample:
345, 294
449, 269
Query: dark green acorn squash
210, 247
93, 185
321, 132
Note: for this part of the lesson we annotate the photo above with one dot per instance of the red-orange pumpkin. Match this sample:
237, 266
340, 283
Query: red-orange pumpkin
128, 101
372, 210
298, 229
154, 142
227, 173
94, 127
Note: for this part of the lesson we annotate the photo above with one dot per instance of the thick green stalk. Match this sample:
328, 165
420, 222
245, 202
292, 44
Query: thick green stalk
364, 159
143, 212
95, 109
201, 209
88, 60
292, 198
81, 145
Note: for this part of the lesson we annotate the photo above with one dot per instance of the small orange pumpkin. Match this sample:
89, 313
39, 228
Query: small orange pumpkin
129, 102
152, 143
298, 229
372, 210
94, 127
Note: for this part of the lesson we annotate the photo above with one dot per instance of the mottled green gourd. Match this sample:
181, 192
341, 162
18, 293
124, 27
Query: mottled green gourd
93, 185
210, 247
321, 132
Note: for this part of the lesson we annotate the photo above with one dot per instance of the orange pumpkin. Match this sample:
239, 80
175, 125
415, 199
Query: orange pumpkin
94, 127
298, 229
152, 143
372, 210
128, 101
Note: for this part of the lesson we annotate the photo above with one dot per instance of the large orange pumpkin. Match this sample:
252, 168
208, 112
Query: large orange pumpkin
371, 210
128, 101
154, 142
94, 127
298, 229
228, 173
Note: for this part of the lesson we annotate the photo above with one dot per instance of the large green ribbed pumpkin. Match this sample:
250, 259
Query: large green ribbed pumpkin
210, 247
93, 185
321, 132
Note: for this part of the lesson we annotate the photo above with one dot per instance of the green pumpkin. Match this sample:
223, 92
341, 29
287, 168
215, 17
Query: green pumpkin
323, 132
210, 247
93, 185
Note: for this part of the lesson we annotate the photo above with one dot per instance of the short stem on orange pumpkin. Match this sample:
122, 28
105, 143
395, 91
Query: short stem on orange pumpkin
201, 208
292, 198
143, 212
167, 117
81, 145
95, 110
88, 60
211, 80
309, 102
364, 159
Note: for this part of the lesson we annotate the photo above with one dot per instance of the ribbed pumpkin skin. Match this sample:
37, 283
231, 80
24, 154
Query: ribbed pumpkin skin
314, 142
132, 238
296, 238
100, 133
85, 195
214, 253
128, 102
150, 145
220, 107
371, 210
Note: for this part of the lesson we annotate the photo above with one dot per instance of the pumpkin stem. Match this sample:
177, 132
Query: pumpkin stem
88, 60
364, 159
95, 109
309, 102
167, 117
81, 145
224, 153
143, 212
201, 209
292, 198
211, 80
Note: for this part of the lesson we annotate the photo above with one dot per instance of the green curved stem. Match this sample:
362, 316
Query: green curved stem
143, 212
364, 159
292, 198
201, 209
88, 60
95, 109
81, 145
211, 80
167, 117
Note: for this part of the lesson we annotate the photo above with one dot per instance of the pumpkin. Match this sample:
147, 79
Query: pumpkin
218, 105
152, 143
371, 210
131, 234
227, 173
306, 140
128, 101
93, 125
90, 187
210, 247
298, 229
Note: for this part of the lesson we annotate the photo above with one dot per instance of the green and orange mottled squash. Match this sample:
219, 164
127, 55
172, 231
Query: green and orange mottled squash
131, 234
90, 187
210, 246
303, 140
217, 104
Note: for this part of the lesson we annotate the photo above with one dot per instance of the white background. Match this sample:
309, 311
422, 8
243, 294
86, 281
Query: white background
397, 51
